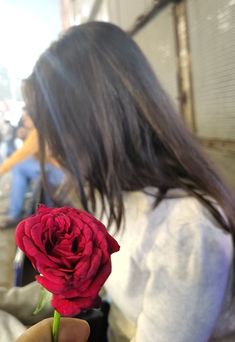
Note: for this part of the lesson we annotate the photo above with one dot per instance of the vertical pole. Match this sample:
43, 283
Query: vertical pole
184, 64
65, 9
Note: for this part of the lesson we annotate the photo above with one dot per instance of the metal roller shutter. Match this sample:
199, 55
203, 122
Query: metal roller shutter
157, 40
212, 40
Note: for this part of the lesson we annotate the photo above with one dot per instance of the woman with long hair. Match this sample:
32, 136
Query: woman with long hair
101, 111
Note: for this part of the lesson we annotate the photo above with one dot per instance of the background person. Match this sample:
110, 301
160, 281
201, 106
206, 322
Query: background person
7, 144
25, 168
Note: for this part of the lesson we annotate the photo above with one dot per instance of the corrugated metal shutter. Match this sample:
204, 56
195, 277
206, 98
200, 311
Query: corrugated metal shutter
157, 40
212, 40
125, 12
225, 163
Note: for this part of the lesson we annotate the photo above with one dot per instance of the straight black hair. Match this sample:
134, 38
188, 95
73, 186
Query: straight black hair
106, 119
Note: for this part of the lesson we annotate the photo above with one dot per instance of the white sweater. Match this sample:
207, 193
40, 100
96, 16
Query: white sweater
172, 278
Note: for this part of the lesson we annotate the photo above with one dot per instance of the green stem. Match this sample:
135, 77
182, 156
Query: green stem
55, 328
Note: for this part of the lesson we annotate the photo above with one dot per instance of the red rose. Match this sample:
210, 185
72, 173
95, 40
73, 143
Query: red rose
71, 251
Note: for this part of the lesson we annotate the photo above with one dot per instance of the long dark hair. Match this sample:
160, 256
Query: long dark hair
106, 119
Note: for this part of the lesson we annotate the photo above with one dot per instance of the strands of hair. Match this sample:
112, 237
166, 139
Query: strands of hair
97, 103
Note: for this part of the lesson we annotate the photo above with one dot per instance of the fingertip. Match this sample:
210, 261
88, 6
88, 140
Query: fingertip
73, 330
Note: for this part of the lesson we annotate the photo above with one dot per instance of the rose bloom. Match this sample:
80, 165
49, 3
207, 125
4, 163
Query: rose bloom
70, 249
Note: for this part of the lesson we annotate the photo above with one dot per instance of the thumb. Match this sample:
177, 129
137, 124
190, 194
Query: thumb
71, 330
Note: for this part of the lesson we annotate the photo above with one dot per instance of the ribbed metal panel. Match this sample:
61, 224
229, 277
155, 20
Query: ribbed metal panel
125, 12
212, 40
157, 40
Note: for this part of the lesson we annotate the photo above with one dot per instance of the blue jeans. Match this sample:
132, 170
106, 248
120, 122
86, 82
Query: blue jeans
22, 175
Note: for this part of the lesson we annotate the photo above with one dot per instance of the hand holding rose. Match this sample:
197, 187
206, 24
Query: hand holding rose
71, 330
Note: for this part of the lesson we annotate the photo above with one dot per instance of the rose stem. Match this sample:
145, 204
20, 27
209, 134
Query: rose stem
55, 328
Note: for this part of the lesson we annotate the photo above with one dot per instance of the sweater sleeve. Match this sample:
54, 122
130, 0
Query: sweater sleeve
187, 283
29, 148
21, 302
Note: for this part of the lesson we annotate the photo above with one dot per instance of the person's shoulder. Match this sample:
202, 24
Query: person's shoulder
184, 207
32, 132
188, 231
187, 218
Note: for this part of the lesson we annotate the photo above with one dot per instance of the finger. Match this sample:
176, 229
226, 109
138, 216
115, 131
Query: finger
71, 329
40, 332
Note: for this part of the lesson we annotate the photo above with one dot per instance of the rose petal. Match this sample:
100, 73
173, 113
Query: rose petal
95, 263
36, 235
88, 249
112, 243
42, 209
55, 288
87, 232
82, 268
19, 235
74, 306
94, 285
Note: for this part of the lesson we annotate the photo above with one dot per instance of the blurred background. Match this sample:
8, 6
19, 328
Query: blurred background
26, 29
190, 44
